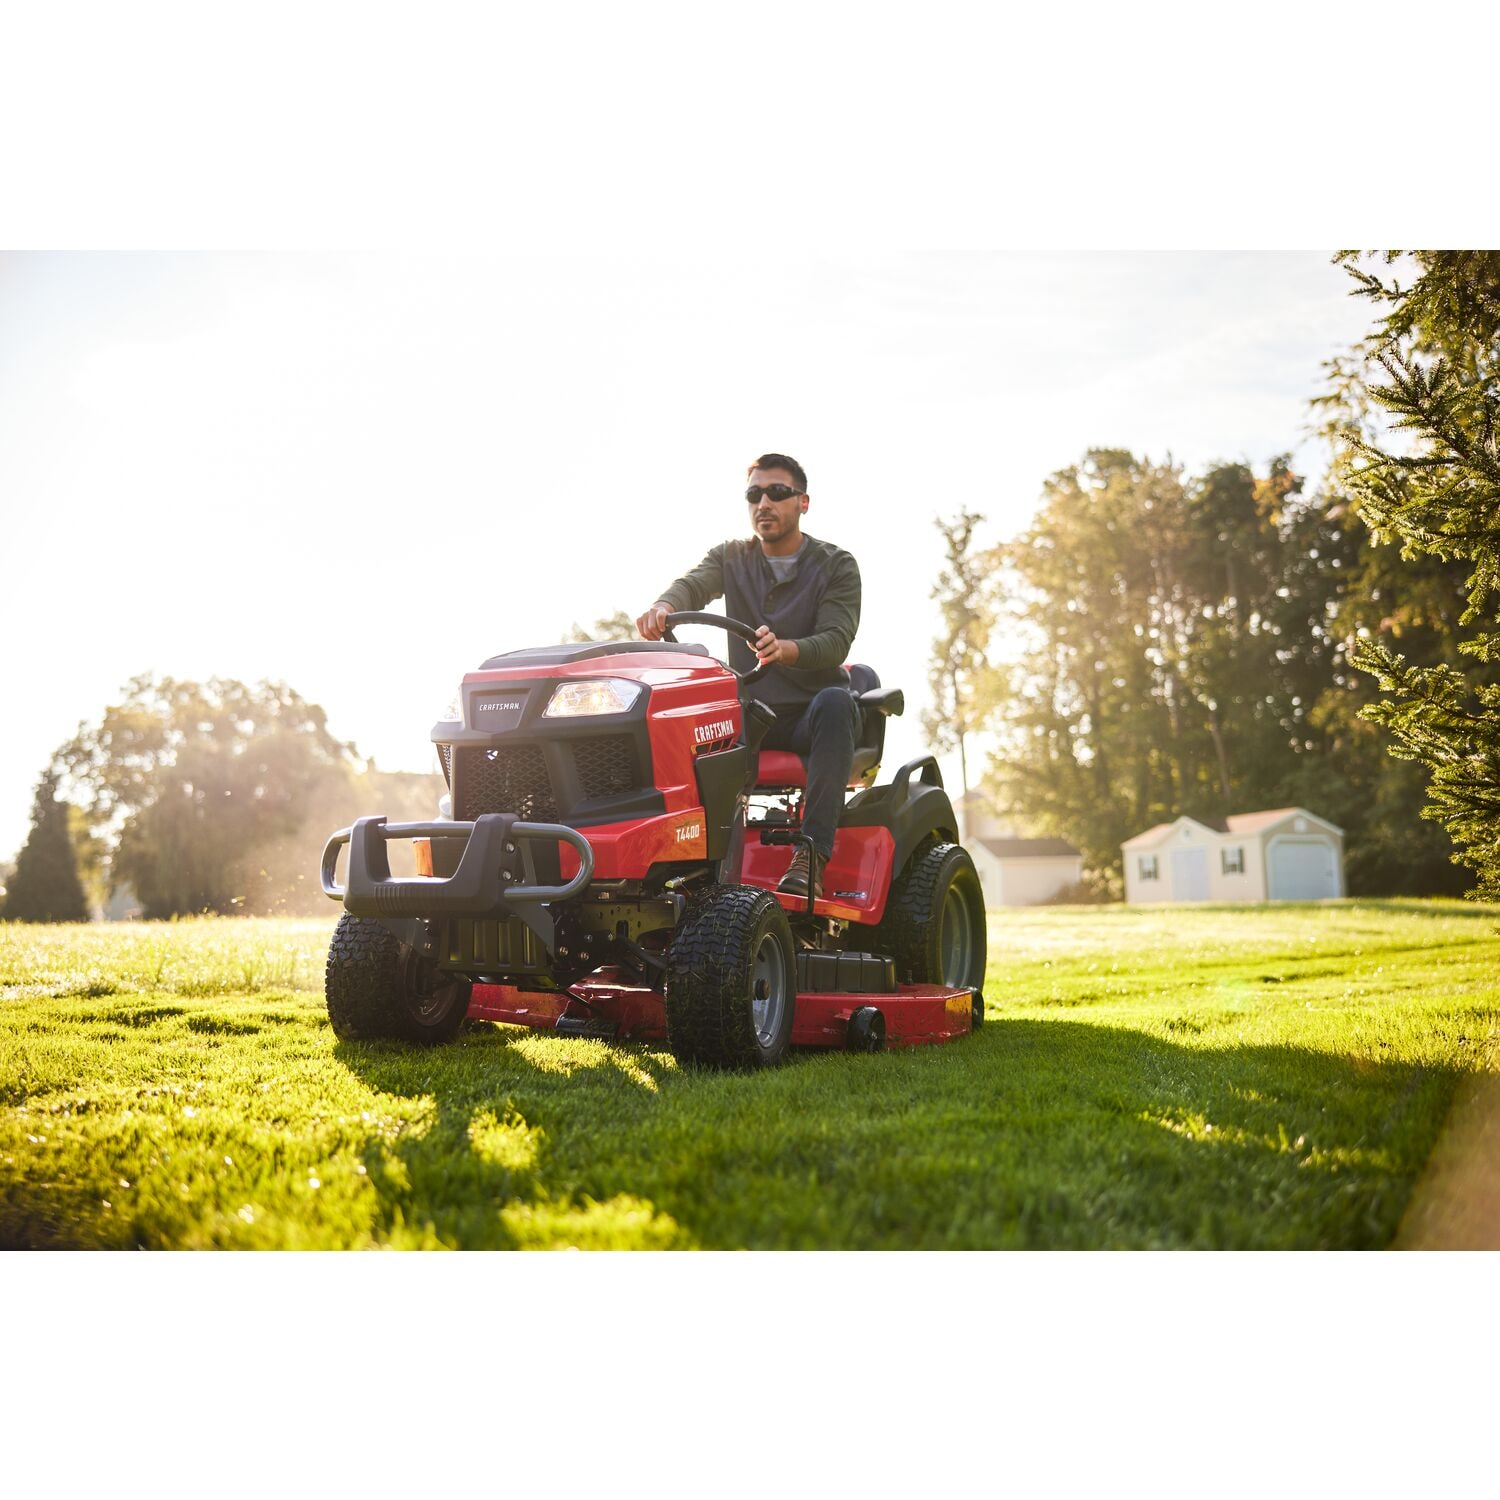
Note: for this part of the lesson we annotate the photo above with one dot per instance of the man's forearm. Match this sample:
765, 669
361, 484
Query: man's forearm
829, 648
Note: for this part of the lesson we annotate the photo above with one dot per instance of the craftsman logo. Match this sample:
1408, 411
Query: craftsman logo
721, 729
689, 832
496, 705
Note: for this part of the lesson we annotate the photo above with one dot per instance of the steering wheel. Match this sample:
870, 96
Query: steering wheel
734, 627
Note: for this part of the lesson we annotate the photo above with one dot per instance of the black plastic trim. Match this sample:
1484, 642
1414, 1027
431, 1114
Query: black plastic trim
568, 652
555, 740
923, 811
721, 780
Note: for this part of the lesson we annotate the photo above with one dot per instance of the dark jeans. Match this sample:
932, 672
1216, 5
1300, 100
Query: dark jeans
823, 735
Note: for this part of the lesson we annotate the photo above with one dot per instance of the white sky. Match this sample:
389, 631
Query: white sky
364, 474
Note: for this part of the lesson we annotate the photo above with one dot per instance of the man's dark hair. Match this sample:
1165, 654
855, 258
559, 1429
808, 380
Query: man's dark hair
781, 461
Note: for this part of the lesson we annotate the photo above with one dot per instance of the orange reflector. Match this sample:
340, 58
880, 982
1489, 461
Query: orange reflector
422, 848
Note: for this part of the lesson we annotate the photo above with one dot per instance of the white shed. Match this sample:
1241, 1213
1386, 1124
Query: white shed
1283, 854
1024, 872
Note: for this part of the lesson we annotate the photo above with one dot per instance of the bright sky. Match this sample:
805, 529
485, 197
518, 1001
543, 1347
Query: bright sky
364, 474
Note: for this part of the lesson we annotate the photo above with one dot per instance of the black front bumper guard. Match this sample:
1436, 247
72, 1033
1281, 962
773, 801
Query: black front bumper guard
496, 875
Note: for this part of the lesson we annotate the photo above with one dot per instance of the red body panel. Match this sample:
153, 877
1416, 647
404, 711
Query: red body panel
916, 1014
694, 706
856, 880
626, 851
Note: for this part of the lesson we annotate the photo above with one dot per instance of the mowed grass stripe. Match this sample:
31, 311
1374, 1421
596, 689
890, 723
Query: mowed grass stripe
1206, 1077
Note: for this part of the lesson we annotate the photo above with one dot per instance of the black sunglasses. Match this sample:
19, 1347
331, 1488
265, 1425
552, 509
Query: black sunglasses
776, 492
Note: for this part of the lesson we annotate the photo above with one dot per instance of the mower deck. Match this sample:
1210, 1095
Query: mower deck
608, 1007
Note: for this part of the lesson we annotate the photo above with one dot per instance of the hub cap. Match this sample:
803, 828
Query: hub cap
956, 943
429, 993
768, 990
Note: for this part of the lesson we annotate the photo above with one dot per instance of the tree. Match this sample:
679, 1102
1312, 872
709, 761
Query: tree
280, 877
92, 854
616, 627
1433, 363
961, 680
1184, 655
1095, 741
46, 887
196, 779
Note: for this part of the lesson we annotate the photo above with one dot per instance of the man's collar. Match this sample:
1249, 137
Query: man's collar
785, 556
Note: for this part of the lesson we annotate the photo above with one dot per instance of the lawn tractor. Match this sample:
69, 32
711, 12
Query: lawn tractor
605, 864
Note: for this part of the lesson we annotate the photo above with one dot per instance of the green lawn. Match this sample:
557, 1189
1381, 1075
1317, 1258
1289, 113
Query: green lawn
1229, 1077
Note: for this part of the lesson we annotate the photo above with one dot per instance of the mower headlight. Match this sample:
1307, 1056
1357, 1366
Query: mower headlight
603, 695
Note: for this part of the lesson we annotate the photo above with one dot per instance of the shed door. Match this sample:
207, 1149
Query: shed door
1190, 874
1302, 870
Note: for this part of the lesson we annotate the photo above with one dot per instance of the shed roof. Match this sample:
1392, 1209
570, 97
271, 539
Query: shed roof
1030, 848
1159, 831
1253, 822
1243, 823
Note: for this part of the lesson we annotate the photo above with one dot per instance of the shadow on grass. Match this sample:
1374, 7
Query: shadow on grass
1035, 1134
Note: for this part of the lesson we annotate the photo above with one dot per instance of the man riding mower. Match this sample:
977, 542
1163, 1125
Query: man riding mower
607, 865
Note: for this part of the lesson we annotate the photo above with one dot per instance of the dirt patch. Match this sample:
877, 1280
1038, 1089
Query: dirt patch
1456, 1205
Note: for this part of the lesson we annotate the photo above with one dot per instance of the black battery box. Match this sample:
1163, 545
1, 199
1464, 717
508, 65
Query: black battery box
846, 974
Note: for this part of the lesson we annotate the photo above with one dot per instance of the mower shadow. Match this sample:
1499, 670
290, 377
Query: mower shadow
470, 1173
1033, 1134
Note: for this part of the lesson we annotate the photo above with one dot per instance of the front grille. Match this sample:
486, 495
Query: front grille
510, 779
605, 766
445, 759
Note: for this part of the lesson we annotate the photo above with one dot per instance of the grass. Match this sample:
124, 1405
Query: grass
1242, 1077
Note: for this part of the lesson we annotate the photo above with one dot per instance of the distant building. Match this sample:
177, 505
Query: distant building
1025, 872
1283, 854
1015, 871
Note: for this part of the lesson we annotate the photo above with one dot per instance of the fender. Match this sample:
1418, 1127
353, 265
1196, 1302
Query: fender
914, 806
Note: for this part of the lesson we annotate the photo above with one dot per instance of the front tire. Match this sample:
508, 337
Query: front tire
934, 922
732, 982
378, 987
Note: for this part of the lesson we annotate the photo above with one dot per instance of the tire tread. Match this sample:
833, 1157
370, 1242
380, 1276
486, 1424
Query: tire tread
907, 930
709, 1017
365, 987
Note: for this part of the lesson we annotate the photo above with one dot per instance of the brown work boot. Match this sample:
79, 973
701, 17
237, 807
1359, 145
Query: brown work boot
794, 882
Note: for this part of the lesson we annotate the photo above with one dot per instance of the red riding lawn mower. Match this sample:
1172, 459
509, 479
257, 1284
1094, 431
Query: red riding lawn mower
605, 865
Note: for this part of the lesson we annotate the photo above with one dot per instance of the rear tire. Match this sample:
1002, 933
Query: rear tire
378, 987
934, 923
731, 986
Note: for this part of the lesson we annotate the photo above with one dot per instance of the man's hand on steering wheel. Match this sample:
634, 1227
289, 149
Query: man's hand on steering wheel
774, 652
653, 622
758, 638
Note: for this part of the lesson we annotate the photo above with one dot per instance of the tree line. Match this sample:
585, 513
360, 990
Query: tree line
1182, 643
188, 797
1225, 641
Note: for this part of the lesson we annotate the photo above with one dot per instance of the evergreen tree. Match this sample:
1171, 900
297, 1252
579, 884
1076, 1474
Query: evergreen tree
1433, 363
46, 887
